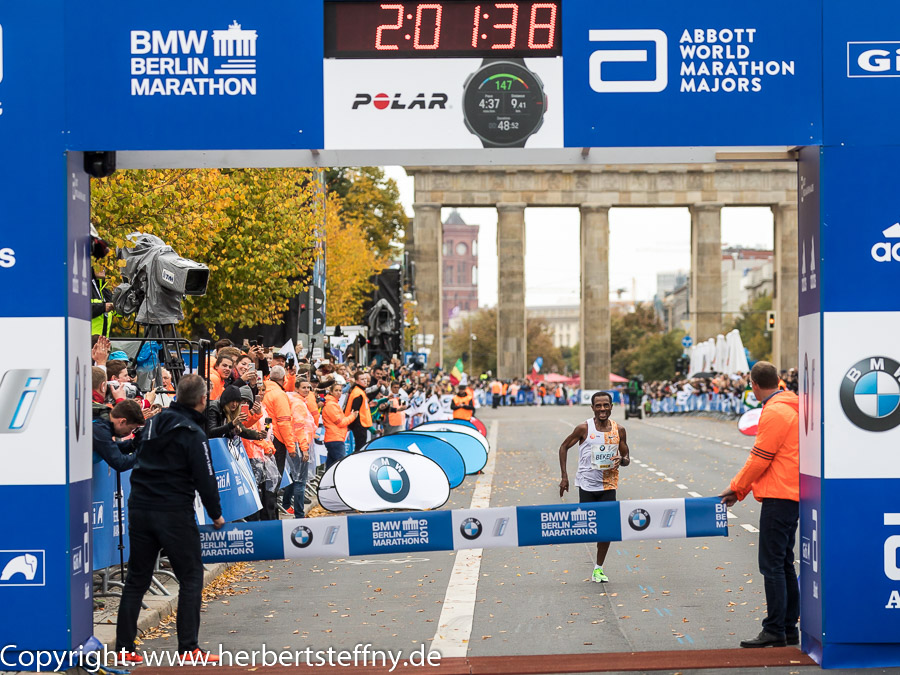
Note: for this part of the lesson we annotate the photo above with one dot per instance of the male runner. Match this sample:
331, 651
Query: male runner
602, 449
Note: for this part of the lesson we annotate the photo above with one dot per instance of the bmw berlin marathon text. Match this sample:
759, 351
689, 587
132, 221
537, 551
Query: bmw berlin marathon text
177, 62
712, 60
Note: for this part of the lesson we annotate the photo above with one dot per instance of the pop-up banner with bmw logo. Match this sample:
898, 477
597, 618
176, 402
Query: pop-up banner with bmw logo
683, 73
408, 532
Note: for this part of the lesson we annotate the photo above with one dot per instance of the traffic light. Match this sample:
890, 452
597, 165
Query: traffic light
770, 321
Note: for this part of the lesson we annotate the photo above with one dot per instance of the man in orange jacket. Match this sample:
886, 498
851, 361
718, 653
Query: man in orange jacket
772, 472
279, 407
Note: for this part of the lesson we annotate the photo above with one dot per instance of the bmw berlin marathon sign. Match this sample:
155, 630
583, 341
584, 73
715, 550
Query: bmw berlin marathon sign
179, 63
870, 394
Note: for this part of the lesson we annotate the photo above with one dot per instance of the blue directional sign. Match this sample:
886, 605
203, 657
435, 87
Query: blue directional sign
687, 341
684, 74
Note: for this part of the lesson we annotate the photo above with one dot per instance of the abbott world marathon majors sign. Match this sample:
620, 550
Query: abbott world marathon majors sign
368, 534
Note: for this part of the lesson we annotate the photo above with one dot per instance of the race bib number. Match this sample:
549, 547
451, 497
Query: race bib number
602, 456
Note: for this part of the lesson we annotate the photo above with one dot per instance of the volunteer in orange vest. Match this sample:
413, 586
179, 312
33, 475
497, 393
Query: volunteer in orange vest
279, 406
396, 417
298, 465
219, 375
257, 451
772, 473
336, 423
463, 405
496, 393
358, 401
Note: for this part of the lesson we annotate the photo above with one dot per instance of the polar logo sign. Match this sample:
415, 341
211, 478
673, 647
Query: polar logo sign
471, 528
639, 51
399, 102
302, 536
873, 59
887, 251
7, 258
389, 479
176, 62
639, 520
870, 393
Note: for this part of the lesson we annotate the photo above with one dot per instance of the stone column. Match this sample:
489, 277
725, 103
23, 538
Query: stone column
785, 339
511, 326
427, 252
706, 271
594, 329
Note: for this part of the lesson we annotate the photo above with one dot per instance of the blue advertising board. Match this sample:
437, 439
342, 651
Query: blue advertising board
701, 73
195, 76
861, 64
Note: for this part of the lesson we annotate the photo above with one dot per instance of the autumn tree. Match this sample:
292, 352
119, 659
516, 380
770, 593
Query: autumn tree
350, 263
253, 228
484, 347
371, 200
752, 326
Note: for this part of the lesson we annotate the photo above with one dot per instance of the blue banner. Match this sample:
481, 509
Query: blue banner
237, 486
107, 520
703, 73
195, 76
457, 529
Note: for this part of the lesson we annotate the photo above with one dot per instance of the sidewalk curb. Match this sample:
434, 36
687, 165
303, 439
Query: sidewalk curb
158, 608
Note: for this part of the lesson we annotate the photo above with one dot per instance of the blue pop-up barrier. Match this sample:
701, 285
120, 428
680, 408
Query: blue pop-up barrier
237, 486
365, 534
442, 452
106, 519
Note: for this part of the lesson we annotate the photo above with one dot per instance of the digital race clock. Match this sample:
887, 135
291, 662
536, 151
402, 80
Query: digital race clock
452, 28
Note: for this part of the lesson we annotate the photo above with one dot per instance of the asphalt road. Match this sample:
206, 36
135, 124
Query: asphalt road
669, 595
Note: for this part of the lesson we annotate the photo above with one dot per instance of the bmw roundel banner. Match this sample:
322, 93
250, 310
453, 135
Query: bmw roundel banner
382, 480
444, 530
327, 495
447, 456
472, 449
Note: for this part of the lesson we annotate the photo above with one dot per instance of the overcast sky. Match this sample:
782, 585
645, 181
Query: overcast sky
643, 242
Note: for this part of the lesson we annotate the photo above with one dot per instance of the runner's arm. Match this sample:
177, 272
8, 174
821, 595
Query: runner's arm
577, 436
624, 452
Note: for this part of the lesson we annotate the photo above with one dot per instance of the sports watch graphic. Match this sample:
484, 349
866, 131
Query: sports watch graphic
503, 103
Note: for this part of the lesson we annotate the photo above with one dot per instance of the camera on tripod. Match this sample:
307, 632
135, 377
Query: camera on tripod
156, 280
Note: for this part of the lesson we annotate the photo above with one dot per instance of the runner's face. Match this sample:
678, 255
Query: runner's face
602, 408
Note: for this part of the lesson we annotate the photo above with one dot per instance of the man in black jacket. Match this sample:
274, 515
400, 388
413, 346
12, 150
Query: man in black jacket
173, 462
120, 422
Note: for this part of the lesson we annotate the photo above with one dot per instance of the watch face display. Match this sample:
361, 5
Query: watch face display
504, 103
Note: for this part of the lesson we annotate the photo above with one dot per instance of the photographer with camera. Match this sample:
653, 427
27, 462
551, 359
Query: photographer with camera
120, 422
173, 464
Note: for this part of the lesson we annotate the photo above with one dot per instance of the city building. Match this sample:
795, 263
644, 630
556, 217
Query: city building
460, 273
562, 321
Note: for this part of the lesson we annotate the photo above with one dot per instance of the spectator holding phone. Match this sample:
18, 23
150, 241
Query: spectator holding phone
227, 416
335, 421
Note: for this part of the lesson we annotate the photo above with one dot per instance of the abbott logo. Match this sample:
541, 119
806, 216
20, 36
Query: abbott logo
636, 54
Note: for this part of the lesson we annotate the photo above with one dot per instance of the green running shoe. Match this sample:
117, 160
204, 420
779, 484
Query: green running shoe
599, 576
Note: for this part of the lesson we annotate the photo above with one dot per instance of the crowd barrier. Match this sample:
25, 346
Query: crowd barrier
730, 405
412, 532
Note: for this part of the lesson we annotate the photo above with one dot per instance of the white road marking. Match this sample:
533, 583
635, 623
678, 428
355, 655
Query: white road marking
731, 515
693, 435
642, 464
695, 494
749, 528
680, 486
659, 473
458, 611
670, 480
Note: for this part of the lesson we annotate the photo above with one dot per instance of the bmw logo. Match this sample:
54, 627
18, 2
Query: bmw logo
302, 536
639, 520
870, 393
471, 528
389, 479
